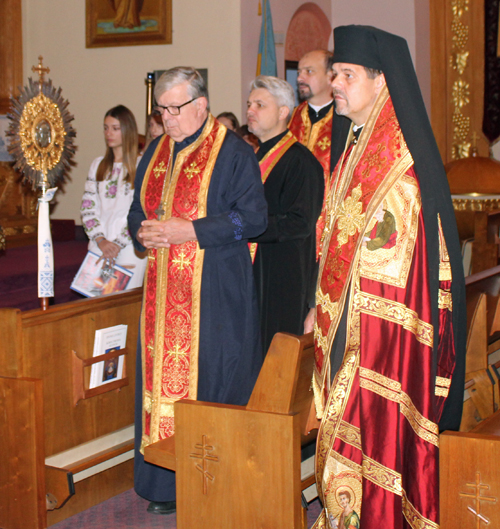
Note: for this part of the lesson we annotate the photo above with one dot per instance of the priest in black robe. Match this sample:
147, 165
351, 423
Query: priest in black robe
285, 257
198, 198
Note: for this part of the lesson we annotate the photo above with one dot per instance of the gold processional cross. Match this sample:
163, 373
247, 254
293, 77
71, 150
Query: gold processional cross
478, 486
40, 70
205, 457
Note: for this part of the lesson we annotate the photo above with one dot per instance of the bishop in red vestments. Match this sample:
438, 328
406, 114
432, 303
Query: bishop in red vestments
390, 310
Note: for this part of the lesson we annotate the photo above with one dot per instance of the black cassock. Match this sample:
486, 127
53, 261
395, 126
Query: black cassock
285, 268
230, 354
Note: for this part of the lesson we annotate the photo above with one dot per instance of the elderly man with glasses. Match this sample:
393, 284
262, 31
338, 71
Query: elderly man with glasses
198, 198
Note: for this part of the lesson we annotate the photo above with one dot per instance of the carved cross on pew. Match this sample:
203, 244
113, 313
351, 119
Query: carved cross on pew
478, 486
40, 70
205, 457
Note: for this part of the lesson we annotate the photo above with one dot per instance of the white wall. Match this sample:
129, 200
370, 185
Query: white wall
408, 19
94, 80
282, 12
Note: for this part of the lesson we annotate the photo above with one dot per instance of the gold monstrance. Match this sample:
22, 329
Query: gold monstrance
41, 142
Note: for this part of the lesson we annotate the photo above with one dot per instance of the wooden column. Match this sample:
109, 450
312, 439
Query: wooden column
11, 51
457, 77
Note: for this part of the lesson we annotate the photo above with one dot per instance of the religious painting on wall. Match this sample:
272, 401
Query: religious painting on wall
128, 22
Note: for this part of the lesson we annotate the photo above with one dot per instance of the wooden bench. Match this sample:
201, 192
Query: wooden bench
57, 436
241, 466
469, 477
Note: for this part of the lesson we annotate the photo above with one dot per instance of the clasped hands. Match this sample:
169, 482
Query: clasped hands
164, 233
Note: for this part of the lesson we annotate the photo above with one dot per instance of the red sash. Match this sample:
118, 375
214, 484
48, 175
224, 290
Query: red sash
268, 163
354, 197
171, 304
317, 137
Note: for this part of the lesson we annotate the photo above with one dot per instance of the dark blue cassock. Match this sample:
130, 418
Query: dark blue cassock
230, 354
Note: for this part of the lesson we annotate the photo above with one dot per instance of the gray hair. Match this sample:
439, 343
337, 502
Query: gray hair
278, 88
179, 75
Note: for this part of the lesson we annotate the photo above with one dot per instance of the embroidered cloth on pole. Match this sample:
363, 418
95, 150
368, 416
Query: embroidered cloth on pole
45, 247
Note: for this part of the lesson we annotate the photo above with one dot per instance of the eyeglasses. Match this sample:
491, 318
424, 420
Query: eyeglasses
173, 110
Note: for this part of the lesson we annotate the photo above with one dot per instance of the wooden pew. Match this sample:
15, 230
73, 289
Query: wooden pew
483, 326
469, 479
51, 447
240, 466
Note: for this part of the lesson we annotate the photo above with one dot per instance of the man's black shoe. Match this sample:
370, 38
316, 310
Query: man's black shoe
161, 507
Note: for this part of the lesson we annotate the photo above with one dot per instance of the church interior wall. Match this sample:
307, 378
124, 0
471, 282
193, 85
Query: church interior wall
94, 80
282, 13
223, 39
410, 20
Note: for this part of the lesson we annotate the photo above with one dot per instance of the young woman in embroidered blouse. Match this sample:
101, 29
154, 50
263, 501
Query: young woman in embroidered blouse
109, 191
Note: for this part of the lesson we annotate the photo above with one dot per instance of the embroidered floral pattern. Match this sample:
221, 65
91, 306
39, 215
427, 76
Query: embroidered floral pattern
88, 204
235, 219
91, 224
351, 219
111, 188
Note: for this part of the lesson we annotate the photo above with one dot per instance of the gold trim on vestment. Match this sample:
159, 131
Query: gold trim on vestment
377, 473
163, 406
445, 300
340, 391
414, 518
316, 128
324, 300
287, 137
391, 390
399, 314
350, 220
444, 258
198, 267
382, 476
337, 194
350, 434
347, 462
444, 382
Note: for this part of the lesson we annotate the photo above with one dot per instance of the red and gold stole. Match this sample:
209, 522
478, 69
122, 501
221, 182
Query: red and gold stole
268, 163
363, 177
317, 138
171, 304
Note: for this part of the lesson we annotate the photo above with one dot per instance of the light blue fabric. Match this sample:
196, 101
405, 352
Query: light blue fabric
267, 50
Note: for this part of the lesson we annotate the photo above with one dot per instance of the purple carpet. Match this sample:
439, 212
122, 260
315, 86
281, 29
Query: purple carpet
127, 511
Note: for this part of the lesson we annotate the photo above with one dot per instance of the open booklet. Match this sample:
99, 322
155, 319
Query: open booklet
108, 340
95, 278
